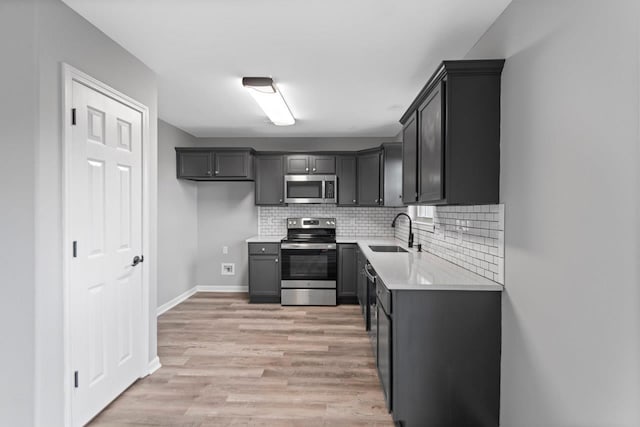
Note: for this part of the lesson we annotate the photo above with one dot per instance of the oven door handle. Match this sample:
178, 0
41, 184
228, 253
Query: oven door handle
368, 273
303, 246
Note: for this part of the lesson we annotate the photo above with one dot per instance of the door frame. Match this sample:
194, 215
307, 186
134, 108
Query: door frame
70, 75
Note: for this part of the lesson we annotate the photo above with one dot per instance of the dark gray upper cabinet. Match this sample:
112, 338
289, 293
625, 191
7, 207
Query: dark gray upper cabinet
347, 274
264, 272
347, 180
430, 147
457, 145
215, 164
269, 180
410, 160
391, 188
194, 164
310, 164
323, 165
369, 177
231, 165
297, 164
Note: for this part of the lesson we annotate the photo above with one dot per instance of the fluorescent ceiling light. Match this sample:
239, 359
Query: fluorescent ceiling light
269, 98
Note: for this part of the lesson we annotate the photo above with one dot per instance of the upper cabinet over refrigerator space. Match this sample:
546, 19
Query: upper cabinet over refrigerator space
451, 136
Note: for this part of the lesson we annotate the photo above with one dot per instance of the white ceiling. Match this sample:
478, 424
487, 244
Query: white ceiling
345, 67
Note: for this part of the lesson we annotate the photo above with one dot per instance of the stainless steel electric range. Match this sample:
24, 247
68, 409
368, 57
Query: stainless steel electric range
309, 262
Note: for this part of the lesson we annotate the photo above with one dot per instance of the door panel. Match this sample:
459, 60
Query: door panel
195, 165
431, 148
297, 164
105, 301
323, 165
269, 180
369, 179
232, 165
347, 181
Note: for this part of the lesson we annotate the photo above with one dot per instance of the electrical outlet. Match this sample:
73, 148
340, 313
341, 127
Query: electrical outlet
228, 269
225, 250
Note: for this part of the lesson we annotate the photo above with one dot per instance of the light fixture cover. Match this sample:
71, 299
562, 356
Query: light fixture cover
269, 98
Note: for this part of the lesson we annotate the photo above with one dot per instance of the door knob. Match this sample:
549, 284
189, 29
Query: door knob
137, 260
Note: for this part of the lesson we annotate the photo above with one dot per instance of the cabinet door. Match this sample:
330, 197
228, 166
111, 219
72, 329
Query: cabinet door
323, 165
347, 274
347, 181
269, 180
194, 164
391, 192
431, 147
297, 164
369, 179
264, 278
410, 160
231, 165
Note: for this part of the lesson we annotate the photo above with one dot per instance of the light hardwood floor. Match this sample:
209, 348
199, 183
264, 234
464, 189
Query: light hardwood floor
226, 362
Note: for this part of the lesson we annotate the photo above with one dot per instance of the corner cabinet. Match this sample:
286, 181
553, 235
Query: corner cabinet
214, 164
451, 136
264, 272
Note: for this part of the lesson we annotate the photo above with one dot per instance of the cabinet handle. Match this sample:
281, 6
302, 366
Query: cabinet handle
208, 172
314, 169
354, 200
280, 200
263, 249
306, 169
376, 200
276, 259
380, 201
217, 172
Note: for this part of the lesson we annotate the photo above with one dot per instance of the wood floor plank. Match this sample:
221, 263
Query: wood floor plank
226, 362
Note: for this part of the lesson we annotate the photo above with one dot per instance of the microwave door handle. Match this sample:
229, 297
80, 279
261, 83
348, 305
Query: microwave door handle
324, 191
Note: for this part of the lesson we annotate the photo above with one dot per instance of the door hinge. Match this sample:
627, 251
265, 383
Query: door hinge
75, 379
75, 249
73, 116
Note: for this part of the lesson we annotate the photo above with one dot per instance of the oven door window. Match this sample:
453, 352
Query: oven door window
309, 264
304, 189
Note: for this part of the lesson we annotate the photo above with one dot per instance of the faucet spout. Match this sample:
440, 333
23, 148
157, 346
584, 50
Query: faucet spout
393, 224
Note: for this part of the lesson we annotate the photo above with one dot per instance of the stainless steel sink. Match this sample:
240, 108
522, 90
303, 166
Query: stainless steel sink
383, 248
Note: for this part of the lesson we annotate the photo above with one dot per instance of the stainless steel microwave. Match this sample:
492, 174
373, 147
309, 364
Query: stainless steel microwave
310, 189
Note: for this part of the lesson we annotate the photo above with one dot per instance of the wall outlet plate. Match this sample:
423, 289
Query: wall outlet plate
228, 269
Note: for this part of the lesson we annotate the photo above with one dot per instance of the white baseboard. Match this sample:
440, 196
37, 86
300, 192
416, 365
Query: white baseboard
153, 366
177, 300
223, 288
187, 294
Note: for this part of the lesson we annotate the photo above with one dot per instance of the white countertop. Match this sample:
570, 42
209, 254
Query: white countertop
264, 239
421, 270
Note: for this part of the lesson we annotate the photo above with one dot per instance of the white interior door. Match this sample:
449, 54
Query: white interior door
105, 312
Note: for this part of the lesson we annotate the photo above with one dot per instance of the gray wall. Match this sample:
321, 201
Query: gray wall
18, 115
63, 35
177, 218
226, 217
569, 181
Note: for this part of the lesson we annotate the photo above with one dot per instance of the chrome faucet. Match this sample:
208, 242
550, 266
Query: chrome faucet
393, 224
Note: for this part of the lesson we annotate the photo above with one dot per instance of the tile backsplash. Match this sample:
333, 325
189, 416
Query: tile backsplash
471, 237
349, 221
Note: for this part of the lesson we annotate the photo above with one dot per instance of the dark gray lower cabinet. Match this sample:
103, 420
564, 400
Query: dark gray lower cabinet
264, 272
444, 355
347, 274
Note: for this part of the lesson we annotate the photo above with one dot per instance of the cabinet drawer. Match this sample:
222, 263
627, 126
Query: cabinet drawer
264, 248
384, 296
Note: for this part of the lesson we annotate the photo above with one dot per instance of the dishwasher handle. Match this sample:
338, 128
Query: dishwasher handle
368, 273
